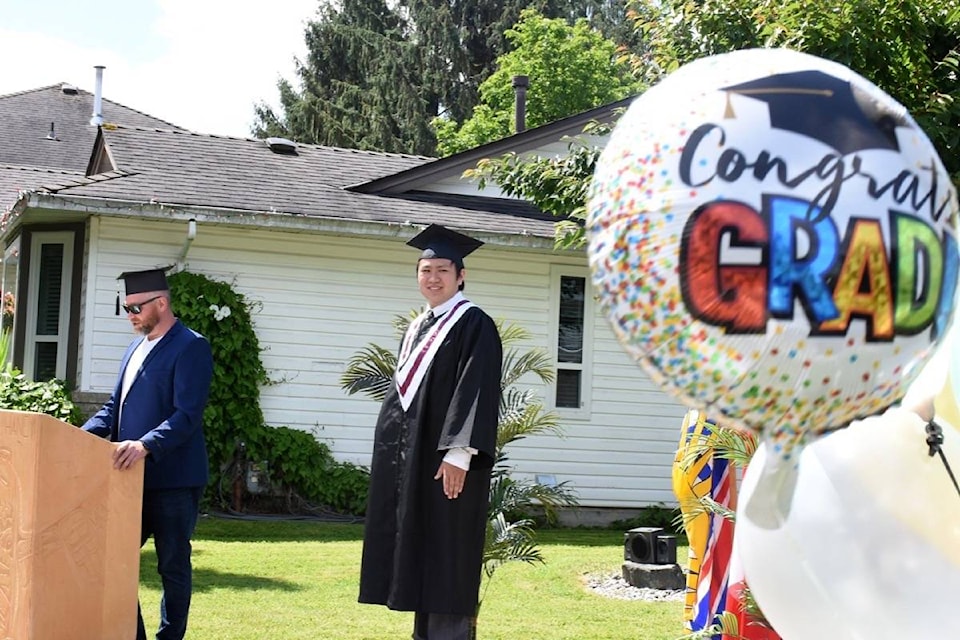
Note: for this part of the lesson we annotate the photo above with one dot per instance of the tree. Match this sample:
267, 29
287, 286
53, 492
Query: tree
571, 68
461, 40
360, 86
910, 49
376, 73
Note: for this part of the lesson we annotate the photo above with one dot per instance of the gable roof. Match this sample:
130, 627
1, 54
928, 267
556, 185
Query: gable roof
26, 138
229, 179
139, 165
453, 166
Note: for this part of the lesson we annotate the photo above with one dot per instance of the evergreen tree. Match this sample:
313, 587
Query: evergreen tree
361, 84
377, 73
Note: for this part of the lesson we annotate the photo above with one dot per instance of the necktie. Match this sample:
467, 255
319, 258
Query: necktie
428, 322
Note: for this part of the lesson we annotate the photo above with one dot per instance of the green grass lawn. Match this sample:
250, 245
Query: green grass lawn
270, 580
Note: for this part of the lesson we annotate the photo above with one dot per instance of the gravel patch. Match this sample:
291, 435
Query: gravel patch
614, 586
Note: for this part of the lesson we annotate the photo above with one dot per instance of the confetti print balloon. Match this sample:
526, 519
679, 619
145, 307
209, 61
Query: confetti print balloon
773, 238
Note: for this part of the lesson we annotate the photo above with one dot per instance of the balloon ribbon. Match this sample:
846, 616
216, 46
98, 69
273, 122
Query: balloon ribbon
934, 441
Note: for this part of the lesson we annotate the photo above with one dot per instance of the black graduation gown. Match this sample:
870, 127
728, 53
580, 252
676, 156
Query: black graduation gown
422, 551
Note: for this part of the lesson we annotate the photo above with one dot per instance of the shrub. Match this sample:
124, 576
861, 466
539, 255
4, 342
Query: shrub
51, 397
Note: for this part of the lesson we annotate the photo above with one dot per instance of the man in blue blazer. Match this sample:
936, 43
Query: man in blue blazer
156, 412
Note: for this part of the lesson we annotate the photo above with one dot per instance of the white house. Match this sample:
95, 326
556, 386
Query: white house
316, 236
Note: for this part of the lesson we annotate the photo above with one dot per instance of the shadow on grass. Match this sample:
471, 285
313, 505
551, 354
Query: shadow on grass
206, 579
271, 529
274, 529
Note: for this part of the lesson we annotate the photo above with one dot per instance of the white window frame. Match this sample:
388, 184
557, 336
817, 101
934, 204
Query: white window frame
37, 240
557, 272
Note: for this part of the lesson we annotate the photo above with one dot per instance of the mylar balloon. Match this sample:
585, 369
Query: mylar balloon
870, 546
772, 237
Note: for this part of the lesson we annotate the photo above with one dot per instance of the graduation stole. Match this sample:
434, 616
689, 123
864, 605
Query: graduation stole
415, 359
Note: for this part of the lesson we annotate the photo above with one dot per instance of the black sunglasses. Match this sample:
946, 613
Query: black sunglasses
137, 307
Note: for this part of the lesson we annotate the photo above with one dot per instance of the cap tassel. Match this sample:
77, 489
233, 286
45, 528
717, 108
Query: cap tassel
728, 110
117, 306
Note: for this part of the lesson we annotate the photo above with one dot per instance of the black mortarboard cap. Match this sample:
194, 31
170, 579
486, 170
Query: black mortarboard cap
439, 242
142, 281
826, 108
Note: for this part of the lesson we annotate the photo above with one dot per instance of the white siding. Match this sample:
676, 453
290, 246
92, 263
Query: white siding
321, 298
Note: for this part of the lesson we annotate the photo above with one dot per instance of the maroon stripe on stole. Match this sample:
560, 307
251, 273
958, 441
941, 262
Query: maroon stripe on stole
426, 347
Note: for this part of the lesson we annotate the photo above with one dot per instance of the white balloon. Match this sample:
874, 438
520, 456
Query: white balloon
861, 539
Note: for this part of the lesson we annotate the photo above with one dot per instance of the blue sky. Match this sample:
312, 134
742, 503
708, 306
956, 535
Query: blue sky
200, 64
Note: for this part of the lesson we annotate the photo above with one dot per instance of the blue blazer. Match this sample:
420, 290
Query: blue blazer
164, 409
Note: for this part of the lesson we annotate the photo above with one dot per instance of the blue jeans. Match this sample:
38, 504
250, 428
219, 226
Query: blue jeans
170, 515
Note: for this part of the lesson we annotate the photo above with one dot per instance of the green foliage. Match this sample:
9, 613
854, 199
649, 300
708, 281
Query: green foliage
304, 466
360, 86
556, 185
910, 49
571, 68
376, 73
654, 515
233, 410
370, 371
233, 421
17, 392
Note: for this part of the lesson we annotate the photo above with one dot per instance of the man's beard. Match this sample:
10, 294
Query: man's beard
146, 326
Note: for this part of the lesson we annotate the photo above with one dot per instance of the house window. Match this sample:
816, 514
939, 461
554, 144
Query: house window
48, 317
9, 277
572, 312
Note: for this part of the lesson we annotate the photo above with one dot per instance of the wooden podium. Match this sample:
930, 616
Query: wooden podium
69, 533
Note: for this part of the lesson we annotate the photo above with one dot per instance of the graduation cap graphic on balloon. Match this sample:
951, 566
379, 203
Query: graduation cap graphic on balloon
821, 106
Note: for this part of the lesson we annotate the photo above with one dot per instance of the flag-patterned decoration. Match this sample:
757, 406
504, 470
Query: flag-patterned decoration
747, 627
697, 473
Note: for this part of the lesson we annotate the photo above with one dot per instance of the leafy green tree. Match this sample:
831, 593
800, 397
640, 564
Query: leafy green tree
571, 68
556, 184
910, 49
461, 40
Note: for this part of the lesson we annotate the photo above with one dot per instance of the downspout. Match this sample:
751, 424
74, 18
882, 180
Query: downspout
191, 234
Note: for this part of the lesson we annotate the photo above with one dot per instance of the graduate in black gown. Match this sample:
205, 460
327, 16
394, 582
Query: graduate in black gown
433, 450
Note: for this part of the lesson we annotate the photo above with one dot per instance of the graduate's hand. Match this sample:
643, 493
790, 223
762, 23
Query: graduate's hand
453, 477
127, 453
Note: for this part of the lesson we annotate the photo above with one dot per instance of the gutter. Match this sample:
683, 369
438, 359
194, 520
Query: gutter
156, 211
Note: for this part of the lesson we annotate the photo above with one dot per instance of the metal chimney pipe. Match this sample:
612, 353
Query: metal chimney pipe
520, 84
97, 118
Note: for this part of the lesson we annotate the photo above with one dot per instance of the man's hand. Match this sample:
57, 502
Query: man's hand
127, 453
453, 477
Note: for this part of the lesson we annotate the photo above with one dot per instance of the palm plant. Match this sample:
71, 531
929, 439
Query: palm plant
510, 531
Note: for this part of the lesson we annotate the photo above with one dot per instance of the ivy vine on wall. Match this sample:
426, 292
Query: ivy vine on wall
296, 463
